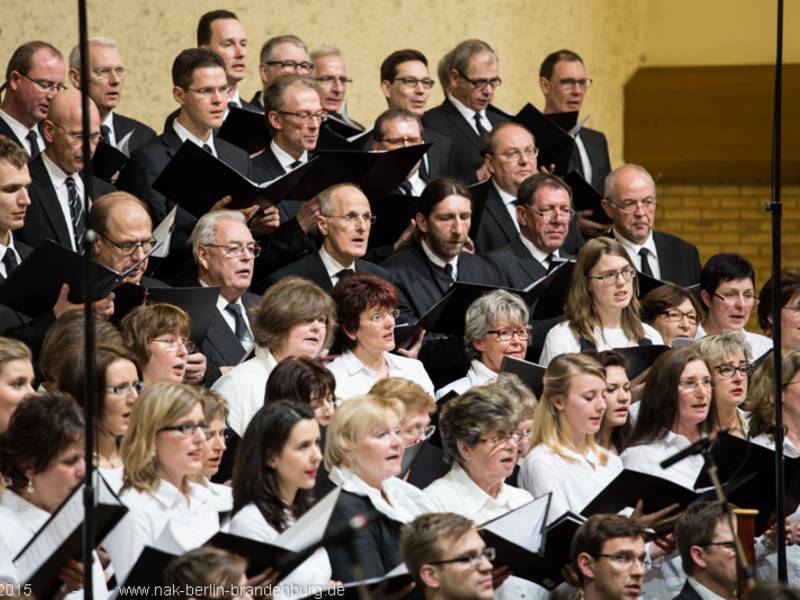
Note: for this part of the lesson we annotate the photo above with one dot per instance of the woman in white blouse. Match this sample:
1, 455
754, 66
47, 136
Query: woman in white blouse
363, 454
601, 310
366, 305
727, 358
616, 426
565, 459
495, 326
41, 458
162, 455
294, 318
273, 480
215, 410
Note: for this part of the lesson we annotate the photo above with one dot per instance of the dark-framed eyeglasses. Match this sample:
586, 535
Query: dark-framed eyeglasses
674, 315
728, 370
412, 82
125, 389
610, 278
727, 544
474, 559
133, 246
187, 430
291, 66
495, 82
507, 333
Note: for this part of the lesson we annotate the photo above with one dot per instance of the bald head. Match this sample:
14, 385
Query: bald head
124, 233
63, 128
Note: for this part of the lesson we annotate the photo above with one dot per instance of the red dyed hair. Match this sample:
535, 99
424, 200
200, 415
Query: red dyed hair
355, 293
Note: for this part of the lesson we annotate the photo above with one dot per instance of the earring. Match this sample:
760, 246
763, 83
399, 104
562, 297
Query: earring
29, 488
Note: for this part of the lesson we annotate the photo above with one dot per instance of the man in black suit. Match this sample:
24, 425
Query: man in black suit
281, 55
466, 115
57, 210
35, 73
106, 78
344, 223
406, 84
630, 202
224, 250
510, 160
398, 128
708, 553
608, 556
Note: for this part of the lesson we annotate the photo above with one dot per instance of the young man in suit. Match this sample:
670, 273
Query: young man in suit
630, 202
106, 79
34, 75
466, 115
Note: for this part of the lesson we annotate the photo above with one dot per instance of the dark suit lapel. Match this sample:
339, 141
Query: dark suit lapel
670, 268
496, 208
42, 187
224, 340
461, 124
6, 130
530, 265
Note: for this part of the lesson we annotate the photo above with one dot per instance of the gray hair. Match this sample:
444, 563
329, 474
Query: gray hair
465, 50
477, 411
716, 348
98, 40
610, 183
326, 50
326, 196
485, 312
205, 230
268, 49
274, 94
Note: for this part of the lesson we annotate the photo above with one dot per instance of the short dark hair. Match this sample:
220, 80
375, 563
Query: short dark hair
790, 285
596, 531
391, 115
204, 24
549, 63
22, 59
391, 62
12, 153
353, 294
188, 61
723, 267
301, 379
531, 185
439, 189
665, 297
695, 528
771, 590
425, 539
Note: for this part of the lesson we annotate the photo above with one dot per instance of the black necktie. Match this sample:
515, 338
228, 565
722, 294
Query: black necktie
342, 273
232, 104
407, 188
105, 131
645, 264
295, 164
10, 261
423, 170
448, 271
479, 125
242, 332
33, 139
551, 262
208, 149
76, 214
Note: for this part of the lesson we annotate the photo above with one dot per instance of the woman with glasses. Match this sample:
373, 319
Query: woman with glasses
415, 426
16, 377
601, 310
727, 357
790, 308
480, 439
294, 318
158, 335
672, 311
162, 456
495, 326
367, 309
117, 384
565, 458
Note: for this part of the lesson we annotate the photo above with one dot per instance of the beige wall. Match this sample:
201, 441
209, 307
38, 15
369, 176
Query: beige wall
607, 33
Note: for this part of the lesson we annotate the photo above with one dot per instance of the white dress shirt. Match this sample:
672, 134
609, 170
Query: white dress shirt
184, 134
59, 181
510, 202
222, 304
456, 492
9, 248
417, 185
453, 262
333, 266
478, 374
310, 577
538, 254
703, 591
573, 483
757, 343
586, 164
354, 379
633, 251
285, 158
561, 340
469, 115
243, 387
150, 514
22, 132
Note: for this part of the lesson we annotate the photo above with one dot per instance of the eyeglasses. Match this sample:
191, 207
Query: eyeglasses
732, 298
46, 86
676, 316
501, 438
495, 82
611, 277
552, 212
626, 559
507, 333
105, 72
568, 82
291, 66
474, 558
125, 389
793, 309
210, 92
131, 247
420, 433
187, 430
412, 82
353, 218
514, 154
380, 317
76, 137
172, 344
629, 206
237, 250
305, 116
690, 385
411, 141
330, 79
729, 370
727, 544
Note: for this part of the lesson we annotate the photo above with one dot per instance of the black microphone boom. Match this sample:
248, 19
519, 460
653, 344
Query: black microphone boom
697, 447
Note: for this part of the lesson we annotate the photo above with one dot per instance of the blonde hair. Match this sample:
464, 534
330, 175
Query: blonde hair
761, 391
520, 393
580, 309
409, 393
352, 419
717, 348
159, 405
557, 384
11, 349
215, 406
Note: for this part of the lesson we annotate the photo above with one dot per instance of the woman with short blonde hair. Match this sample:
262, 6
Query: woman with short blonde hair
418, 406
728, 358
16, 377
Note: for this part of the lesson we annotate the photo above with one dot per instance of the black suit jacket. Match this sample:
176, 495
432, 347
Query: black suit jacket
9, 133
516, 264
377, 545
678, 260
44, 219
441, 156
245, 105
687, 593
468, 146
141, 133
311, 267
597, 148
221, 347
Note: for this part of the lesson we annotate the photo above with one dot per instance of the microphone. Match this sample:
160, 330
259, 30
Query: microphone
697, 447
